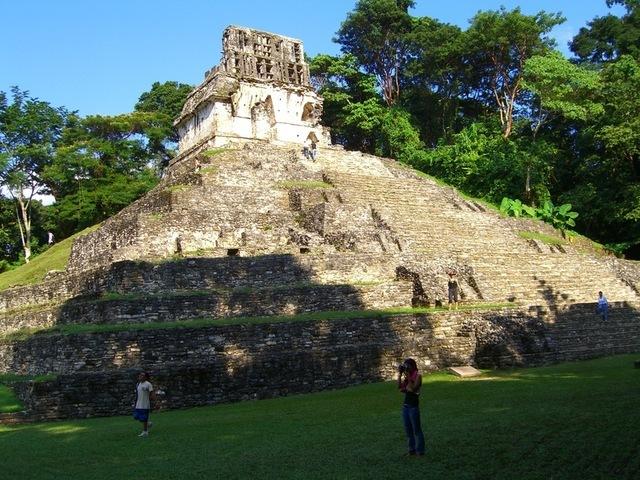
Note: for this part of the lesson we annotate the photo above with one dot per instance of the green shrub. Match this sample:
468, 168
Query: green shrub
515, 208
561, 217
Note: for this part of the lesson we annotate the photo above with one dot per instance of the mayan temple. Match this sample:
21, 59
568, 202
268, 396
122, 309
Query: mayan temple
244, 225
259, 91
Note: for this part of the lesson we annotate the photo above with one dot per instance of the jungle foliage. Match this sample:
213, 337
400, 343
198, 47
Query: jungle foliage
497, 111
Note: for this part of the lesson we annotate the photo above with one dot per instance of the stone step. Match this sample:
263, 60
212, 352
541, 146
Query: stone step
173, 306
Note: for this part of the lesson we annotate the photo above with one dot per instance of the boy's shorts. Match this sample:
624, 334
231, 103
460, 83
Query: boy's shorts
141, 414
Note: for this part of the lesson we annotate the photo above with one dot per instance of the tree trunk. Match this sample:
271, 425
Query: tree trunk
527, 186
24, 223
507, 128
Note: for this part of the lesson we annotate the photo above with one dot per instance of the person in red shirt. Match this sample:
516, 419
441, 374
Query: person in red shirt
409, 383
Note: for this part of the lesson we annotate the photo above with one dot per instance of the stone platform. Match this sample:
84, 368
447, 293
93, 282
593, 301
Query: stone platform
259, 230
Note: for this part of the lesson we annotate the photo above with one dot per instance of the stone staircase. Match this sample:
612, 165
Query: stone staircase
433, 222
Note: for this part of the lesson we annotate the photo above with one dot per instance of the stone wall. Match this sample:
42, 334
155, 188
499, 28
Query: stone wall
228, 363
43, 304
64, 354
173, 307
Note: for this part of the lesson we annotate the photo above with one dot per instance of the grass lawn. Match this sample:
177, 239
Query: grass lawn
54, 258
8, 401
570, 421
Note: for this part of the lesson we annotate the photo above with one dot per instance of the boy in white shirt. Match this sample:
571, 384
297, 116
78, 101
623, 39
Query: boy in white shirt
603, 306
144, 395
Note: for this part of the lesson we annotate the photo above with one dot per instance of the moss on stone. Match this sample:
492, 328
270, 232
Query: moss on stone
304, 184
179, 187
157, 216
209, 170
542, 237
212, 152
332, 315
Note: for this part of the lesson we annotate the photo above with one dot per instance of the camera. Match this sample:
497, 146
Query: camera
402, 368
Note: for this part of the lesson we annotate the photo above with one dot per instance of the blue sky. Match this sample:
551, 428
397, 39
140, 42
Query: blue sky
98, 57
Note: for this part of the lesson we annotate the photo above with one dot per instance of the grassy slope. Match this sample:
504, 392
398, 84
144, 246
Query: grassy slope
577, 420
8, 401
55, 258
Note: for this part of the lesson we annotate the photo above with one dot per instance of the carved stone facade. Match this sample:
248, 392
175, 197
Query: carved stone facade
259, 91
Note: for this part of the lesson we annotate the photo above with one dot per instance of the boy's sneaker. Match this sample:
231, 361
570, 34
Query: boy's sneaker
144, 434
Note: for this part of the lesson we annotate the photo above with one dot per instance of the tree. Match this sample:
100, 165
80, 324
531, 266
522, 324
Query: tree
29, 132
602, 179
560, 89
352, 105
437, 79
398, 138
165, 100
101, 165
375, 33
607, 38
499, 44
10, 247
619, 130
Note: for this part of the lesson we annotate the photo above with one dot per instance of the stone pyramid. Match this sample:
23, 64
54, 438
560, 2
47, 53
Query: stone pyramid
245, 225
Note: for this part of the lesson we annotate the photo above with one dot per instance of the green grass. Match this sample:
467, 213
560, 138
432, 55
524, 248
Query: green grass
74, 329
212, 152
178, 187
13, 378
8, 401
303, 184
566, 422
209, 170
542, 237
55, 258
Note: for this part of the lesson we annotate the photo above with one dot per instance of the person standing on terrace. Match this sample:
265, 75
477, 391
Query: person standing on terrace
603, 306
453, 289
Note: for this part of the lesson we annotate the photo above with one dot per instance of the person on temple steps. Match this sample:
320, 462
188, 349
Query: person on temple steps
314, 150
409, 383
603, 307
306, 148
453, 289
